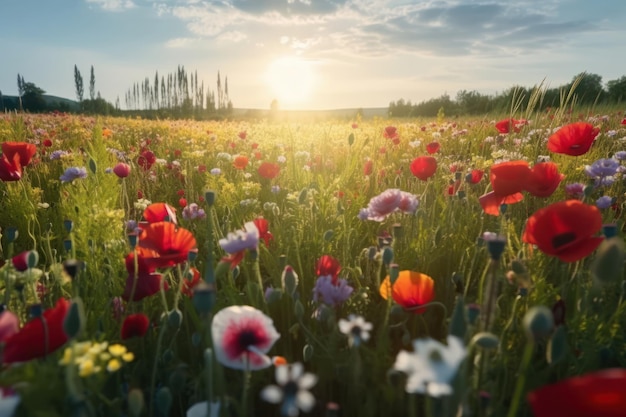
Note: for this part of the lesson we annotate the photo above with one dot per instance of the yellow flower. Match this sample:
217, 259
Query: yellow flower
86, 368
114, 365
128, 357
117, 350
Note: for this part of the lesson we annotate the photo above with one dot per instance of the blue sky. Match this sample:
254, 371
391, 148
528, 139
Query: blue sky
312, 54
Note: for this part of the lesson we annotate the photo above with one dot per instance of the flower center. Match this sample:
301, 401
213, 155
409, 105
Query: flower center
563, 239
246, 339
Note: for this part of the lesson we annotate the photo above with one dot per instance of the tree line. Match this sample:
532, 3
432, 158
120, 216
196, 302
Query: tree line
585, 89
179, 94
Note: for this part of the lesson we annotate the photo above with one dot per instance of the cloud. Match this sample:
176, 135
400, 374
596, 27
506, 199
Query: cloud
377, 28
113, 5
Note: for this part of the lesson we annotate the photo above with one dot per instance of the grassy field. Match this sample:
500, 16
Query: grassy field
333, 268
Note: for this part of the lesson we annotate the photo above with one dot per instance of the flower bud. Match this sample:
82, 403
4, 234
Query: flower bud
538, 322
486, 340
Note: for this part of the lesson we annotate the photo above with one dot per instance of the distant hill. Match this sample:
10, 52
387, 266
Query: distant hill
52, 103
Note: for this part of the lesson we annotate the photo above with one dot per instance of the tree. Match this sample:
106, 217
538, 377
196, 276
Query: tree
78, 82
588, 88
617, 89
32, 99
92, 85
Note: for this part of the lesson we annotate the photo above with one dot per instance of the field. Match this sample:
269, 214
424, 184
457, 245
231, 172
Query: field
375, 267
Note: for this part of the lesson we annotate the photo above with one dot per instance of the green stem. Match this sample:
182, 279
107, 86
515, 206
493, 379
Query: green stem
156, 363
521, 379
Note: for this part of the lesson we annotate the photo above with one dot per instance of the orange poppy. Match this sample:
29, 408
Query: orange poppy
269, 170
491, 202
240, 162
574, 139
509, 177
544, 179
565, 229
35, 339
163, 244
411, 290
264, 230
159, 212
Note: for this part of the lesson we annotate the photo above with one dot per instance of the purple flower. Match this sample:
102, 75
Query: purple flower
389, 201
241, 239
620, 155
58, 155
333, 295
604, 167
604, 202
216, 171
73, 173
575, 190
192, 212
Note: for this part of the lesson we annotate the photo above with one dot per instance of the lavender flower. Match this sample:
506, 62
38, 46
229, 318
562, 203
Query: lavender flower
73, 173
216, 171
192, 212
620, 156
575, 190
58, 155
604, 167
604, 202
241, 239
389, 201
329, 293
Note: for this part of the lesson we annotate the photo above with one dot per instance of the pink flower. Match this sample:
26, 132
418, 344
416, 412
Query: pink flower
9, 325
242, 335
122, 170
387, 202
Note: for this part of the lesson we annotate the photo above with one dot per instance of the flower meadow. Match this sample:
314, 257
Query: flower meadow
463, 267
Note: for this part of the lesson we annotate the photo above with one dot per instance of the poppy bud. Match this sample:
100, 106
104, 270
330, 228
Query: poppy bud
204, 297
458, 322
93, 167
11, 233
608, 266
387, 255
209, 197
74, 322
174, 318
289, 281
486, 340
538, 322
164, 400
122, 170
557, 346
135, 402
394, 273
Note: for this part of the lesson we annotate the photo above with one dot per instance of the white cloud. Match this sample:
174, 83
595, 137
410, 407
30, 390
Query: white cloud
113, 5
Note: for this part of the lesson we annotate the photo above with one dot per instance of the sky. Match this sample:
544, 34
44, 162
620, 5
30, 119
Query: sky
312, 54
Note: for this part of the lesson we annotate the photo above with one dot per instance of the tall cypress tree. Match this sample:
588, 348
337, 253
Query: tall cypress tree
78, 82
92, 85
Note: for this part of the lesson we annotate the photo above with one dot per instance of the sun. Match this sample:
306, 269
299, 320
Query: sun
290, 80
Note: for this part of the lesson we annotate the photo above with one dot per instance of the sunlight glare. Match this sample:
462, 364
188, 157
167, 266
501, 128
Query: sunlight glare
291, 80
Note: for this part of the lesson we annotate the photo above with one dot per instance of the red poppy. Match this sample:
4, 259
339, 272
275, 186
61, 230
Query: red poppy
424, 167
243, 134
39, 337
368, 167
390, 132
26, 151
190, 282
135, 325
10, 169
598, 394
574, 139
491, 202
509, 177
327, 265
623, 122
544, 179
508, 125
148, 281
475, 176
20, 261
264, 232
163, 244
160, 212
410, 290
182, 202
240, 162
268, 170
433, 147
565, 229
146, 159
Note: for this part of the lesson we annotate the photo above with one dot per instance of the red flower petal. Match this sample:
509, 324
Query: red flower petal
574, 139
135, 325
35, 339
424, 167
411, 289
